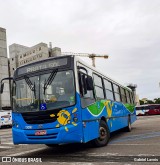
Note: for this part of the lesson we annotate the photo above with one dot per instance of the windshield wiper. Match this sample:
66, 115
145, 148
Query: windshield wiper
50, 79
30, 84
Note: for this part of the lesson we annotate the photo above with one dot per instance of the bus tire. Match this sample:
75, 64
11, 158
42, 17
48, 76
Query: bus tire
104, 135
129, 128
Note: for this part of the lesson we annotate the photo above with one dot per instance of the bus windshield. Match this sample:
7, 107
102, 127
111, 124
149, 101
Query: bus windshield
44, 92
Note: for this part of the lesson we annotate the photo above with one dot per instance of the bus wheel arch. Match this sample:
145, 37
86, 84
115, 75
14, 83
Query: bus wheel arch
104, 133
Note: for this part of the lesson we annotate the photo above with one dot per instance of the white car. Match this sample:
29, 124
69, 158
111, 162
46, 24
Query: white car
5, 118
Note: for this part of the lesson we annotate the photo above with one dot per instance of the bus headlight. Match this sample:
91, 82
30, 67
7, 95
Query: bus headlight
15, 124
68, 121
75, 119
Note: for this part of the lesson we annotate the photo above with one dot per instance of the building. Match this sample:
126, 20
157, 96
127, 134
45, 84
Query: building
21, 55
14, 51
5, 97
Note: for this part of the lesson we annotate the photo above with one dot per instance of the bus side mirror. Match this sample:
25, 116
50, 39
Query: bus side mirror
2, 87
89, 83
84, 85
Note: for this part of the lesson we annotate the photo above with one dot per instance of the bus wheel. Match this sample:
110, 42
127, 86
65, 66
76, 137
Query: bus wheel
104, 135
129, 128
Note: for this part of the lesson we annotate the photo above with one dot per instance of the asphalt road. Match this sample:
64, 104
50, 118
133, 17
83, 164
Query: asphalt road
143, 140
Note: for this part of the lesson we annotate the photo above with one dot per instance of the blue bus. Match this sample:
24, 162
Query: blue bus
62, 100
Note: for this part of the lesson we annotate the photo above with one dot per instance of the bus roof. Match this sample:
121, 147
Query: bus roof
81, 61
101, 73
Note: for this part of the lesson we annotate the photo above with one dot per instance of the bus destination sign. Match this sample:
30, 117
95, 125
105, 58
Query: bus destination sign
52, 63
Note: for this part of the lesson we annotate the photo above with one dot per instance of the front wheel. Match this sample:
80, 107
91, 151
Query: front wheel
104, 135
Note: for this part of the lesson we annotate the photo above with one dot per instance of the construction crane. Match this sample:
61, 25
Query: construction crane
92, 56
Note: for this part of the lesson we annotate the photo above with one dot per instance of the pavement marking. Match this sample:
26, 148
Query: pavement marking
26, 152
102, 154
158, 132
6, 147
136, 137
8, 143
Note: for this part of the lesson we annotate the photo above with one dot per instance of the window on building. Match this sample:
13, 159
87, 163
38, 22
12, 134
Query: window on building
12, 59
116, 92
13, 68
108, 89
98, 86
40, 48
24, 55
20, 56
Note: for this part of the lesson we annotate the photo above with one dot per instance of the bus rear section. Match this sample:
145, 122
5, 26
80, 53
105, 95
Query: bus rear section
5, 118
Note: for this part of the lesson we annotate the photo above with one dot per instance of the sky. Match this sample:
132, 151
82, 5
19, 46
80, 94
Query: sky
128, 31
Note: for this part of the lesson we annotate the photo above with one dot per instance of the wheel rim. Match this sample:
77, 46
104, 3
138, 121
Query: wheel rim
103, 133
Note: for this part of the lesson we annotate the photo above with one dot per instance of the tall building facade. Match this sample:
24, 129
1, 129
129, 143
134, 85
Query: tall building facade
5, 97
22, 55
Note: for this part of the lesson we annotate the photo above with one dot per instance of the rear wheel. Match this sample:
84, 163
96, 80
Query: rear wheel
129, 128
104, 135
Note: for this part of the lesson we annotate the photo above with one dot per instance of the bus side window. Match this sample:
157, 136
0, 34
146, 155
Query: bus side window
116, 92
132, 98
108, 88
123, 96
128, 97
98, 85
86, 89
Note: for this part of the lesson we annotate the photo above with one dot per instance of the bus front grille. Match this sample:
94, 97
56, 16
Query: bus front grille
40, 117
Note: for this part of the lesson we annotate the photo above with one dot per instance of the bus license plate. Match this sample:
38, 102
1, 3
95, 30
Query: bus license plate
42, 132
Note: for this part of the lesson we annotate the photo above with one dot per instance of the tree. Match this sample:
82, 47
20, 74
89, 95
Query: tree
157, 101
141, 102
150, 102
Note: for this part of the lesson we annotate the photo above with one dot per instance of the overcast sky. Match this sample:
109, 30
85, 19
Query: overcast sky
127, 30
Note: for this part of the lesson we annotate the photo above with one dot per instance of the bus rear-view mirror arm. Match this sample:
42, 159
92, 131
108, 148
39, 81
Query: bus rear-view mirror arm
2, 83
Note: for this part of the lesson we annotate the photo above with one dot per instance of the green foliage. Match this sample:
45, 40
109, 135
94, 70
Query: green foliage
150, 102
155, 101
141, 102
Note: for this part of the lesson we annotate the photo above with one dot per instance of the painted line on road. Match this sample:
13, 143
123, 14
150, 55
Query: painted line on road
6, 147
139, 135
10, 143
135, 138
148, 133
26, 152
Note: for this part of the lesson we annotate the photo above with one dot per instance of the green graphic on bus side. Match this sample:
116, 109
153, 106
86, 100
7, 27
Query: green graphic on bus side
97, 107
130, 107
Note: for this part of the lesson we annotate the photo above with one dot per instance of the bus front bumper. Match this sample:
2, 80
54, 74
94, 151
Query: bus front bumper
64, 134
